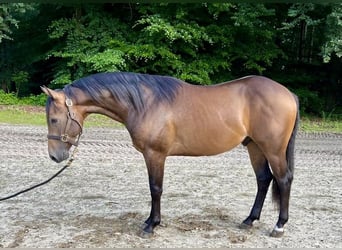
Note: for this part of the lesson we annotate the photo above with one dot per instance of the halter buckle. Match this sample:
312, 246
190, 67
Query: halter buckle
64, 138
68, 102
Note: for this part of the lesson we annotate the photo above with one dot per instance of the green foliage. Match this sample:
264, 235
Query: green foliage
21, 57
19, 78
310, 102
201, 43
35, 100
333, 34
171, 44
12, 99
108, 60
87, 42
7, 20
8, 99
300, 12
170, 41
300, 32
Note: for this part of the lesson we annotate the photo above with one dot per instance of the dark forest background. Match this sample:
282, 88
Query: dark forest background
298, 45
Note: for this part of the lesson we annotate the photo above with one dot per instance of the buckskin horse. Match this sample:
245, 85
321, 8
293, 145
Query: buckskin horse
166, 116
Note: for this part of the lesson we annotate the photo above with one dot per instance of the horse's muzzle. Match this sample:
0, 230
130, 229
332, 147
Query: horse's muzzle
59, 156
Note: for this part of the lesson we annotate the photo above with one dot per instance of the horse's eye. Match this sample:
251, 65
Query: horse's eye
54, 121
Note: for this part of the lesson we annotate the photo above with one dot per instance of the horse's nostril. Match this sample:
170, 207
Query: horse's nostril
53, 158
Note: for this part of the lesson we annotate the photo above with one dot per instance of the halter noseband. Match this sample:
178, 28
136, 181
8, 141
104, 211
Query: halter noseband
73, 140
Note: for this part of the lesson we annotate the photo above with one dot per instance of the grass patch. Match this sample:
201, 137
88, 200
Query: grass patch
18, 115
35, 115
32, 115
312, 124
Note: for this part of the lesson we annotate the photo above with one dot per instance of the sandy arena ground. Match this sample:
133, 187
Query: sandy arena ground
103, 198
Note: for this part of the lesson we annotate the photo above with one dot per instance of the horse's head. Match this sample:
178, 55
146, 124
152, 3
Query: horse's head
64, 124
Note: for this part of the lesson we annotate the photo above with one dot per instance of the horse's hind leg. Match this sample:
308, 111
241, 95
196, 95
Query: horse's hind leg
263, 177
281, 191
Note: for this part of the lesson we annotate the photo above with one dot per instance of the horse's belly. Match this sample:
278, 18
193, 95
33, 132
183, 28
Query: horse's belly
205, 144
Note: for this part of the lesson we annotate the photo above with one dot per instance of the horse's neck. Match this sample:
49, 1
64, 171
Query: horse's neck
109, 108
114, 114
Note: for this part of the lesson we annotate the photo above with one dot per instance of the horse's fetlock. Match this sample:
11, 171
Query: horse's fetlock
281, 222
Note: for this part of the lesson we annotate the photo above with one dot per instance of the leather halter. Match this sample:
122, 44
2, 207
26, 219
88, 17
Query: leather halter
73, 140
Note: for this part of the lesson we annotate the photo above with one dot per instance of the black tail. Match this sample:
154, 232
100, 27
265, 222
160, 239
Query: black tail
289, 157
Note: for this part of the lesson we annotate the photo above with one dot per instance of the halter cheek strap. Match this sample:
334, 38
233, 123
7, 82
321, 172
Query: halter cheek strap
71, 117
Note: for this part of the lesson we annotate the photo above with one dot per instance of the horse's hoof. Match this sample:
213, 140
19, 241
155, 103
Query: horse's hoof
277, 232
147, 232
245, 226
146, 235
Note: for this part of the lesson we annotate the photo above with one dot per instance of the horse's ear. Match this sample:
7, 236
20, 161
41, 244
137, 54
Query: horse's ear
45, 90
52, 93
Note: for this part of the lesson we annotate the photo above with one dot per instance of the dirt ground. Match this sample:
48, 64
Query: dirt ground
103, 198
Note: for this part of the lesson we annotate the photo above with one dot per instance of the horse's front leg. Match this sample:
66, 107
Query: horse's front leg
155, 165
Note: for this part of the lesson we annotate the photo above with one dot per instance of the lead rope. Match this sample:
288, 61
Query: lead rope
71, 159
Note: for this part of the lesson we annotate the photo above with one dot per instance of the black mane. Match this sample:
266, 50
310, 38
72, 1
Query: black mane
127, 87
